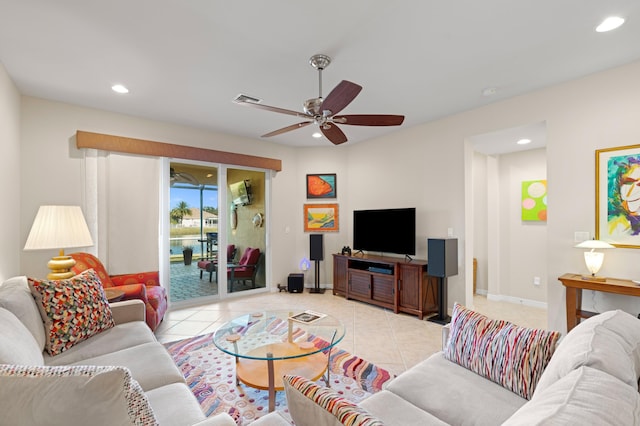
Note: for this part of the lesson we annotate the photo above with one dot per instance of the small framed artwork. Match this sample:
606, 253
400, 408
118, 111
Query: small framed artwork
320, 217
321, 186
534, 200
618, 196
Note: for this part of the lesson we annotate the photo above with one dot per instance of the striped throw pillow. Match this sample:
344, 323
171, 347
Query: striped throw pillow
344, 411
512, 356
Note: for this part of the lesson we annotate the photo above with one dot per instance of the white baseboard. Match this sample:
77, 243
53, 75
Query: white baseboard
481, 291
517, 300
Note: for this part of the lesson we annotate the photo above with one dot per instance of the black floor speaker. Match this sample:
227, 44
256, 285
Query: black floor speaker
316, 249
295, 283
442, 262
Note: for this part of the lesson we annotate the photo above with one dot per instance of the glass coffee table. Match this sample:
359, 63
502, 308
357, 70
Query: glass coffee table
270, 344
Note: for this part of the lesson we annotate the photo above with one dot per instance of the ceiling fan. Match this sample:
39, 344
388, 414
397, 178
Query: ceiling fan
322, 111
182, 177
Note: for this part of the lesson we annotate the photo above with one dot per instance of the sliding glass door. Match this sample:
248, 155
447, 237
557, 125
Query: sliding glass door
217, 232
193, 229
246, 200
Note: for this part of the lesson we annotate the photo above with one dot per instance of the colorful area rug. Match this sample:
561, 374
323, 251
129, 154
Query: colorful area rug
210, 373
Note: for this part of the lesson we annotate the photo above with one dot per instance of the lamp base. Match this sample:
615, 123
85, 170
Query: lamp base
60, 267
594, 278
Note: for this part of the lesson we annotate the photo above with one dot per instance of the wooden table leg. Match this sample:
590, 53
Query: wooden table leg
573, 296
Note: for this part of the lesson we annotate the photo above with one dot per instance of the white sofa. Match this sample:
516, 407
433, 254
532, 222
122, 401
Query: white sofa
71, 388
591, 379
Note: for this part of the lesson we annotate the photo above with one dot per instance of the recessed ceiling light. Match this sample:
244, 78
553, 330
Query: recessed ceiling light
489, 91
317, 135
611, 23
119, 88
523, 141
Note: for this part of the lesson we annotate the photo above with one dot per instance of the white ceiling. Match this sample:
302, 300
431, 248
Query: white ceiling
184, 61
505, 140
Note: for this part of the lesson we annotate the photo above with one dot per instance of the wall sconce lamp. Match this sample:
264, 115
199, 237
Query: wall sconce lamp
59, 227
593, 259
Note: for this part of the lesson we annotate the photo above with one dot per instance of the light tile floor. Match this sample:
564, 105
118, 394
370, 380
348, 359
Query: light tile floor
395, 342
186, 283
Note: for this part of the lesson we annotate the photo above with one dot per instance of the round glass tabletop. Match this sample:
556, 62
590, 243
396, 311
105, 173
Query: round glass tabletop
279, 335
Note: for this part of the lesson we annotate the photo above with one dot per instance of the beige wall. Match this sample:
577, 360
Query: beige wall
479, 193
425, 166
523, 253
50, 162
12, 240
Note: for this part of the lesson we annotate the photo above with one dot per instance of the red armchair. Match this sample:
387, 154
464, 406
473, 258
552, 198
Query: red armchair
246, 269
211, 264
142, 285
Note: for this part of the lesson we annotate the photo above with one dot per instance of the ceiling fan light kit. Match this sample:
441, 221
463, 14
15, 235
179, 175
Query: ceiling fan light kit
322, 111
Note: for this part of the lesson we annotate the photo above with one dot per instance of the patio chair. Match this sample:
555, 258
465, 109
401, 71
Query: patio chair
246, 269
210, 265
142, 285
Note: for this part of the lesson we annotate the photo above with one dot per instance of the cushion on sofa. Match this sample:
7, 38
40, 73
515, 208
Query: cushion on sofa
454, 394
609, 342
393, 410
16, 297
38, 395
149, 363
73, 309
120, 337
174, 404
585, 396
17, 345
313, 405
505, 353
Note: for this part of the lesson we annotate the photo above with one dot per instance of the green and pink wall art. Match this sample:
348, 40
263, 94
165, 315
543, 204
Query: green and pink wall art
534, 200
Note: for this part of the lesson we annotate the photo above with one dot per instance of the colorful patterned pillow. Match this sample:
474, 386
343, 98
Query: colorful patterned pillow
72, 310
313, 405
512, 356
83, 394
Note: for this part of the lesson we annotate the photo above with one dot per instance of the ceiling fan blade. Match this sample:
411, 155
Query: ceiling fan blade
333, 133
287, 129
370, 119
273, 109
341, 96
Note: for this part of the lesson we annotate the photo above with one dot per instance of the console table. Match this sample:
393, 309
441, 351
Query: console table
390, 282
574, 284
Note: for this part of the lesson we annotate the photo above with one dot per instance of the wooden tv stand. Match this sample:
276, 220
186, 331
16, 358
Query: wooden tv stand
390, 282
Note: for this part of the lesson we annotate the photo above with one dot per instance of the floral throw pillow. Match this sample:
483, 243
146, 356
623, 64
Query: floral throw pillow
512, 356
72, 310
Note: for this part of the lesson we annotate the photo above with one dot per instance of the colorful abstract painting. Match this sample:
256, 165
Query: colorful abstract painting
321, 186
321, 217
534, 200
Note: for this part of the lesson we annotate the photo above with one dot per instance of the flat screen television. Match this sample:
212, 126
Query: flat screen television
241, 193
385, 230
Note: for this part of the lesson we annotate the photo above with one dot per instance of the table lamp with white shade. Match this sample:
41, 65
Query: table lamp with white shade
59, 227
593, 259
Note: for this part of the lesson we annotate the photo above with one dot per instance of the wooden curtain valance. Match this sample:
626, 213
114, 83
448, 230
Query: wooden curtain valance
161, 149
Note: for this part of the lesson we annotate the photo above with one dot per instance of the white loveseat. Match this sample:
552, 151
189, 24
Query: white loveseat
77, 386
591, 379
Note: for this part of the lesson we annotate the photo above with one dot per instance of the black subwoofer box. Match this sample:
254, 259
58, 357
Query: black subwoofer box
295, 283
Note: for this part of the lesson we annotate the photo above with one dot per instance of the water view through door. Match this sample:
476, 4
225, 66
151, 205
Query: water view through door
214, 249
193, 231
